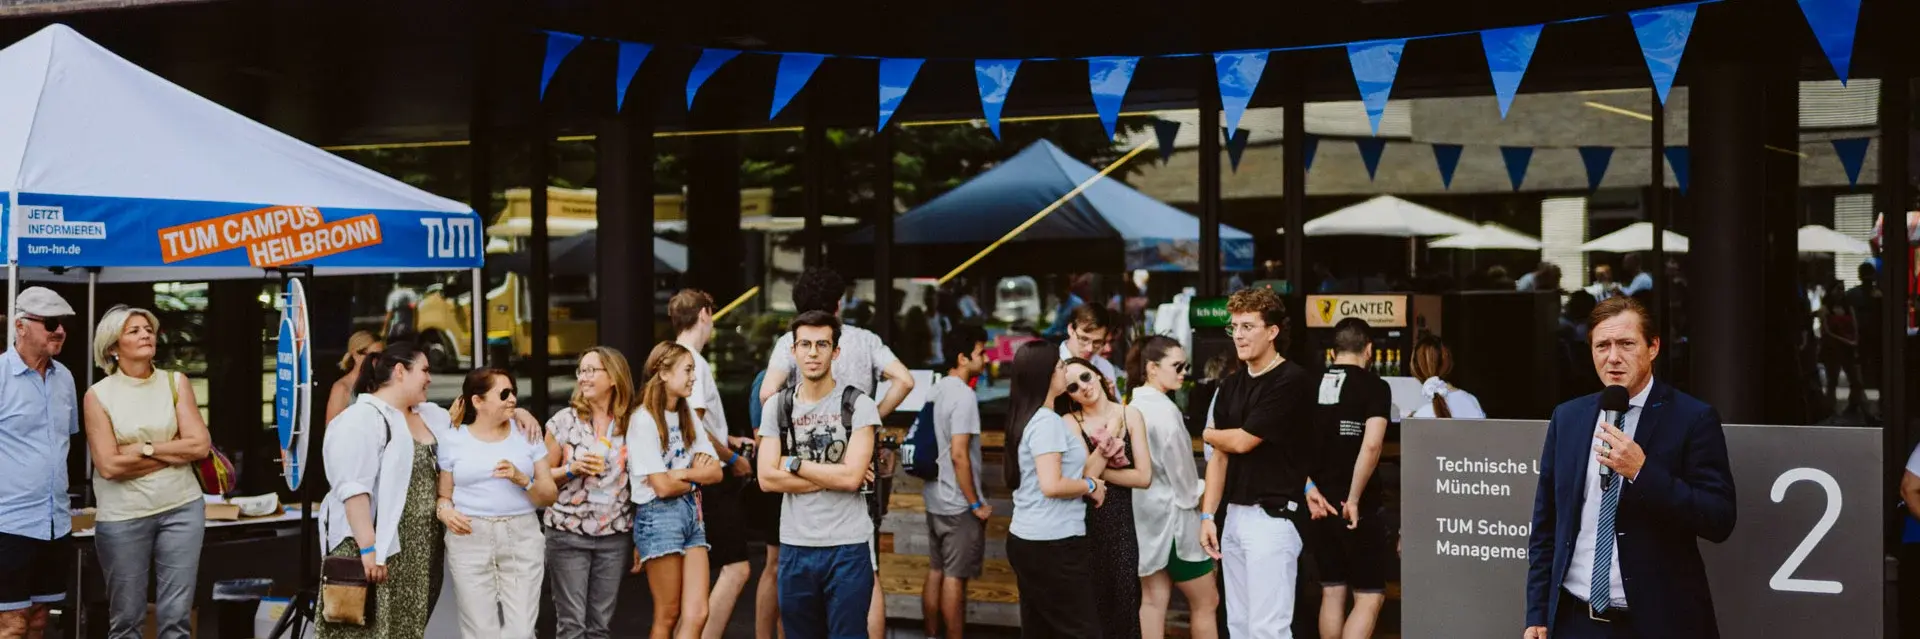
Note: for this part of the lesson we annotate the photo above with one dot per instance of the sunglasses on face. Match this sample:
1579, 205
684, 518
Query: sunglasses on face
52, 324
1085, 378
1179, 367
506, 393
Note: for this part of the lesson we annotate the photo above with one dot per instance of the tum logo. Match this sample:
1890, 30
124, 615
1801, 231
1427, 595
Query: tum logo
451, 237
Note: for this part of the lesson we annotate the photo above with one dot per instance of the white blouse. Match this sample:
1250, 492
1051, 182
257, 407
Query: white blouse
1462, 404
1166, 515
369, 451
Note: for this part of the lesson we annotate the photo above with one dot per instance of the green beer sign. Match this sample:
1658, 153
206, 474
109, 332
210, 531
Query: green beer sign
1208, 313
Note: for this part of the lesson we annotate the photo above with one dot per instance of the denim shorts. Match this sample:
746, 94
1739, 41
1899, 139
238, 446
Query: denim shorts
667, 527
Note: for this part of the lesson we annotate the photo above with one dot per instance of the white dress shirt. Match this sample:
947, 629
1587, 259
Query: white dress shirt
1579, 579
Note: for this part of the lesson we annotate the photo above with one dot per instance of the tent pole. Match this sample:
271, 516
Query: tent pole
93, 316
13, 260
476, 311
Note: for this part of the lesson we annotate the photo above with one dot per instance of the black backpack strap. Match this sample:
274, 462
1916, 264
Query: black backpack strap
784, 412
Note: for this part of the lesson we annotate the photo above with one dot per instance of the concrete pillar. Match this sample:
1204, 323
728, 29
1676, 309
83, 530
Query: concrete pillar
715, 247
1209, 94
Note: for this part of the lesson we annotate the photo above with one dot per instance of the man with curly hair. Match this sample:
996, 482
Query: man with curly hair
1264, 455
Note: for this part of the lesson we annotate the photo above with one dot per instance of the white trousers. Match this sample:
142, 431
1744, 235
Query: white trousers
496, 572
1260, 560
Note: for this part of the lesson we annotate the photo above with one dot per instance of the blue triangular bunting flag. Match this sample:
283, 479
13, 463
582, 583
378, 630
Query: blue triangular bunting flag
1167, 132
558, 46
1239, 74
795, 70
1517, 158
1236, 146
1596, 158
1370, 150
1309, 144
1678, 159
1509, 51
1853, 153
896, 77
1662, 33
995, 77
631, 55
1447, 157
709, 62
1375, 63
1109, 78
1834, 23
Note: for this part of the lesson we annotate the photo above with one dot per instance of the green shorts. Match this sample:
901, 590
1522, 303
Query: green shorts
1183, 571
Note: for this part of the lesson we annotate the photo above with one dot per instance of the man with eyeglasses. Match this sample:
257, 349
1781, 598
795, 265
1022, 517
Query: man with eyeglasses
862, 361
1089, 331
38, 416
1261, 430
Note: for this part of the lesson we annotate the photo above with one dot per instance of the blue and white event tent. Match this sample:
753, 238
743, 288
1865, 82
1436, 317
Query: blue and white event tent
109, 170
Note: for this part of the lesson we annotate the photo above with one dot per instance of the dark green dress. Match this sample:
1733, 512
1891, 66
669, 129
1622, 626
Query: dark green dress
404, 602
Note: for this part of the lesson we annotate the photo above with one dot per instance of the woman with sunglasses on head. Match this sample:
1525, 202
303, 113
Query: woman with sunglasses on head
1166, 516
358, 347
145, 432
1051, 472
588, 542
1118, 434
671, 459
382, 461
492, 478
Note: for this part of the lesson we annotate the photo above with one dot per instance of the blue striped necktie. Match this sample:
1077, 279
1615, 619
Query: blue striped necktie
1600, 595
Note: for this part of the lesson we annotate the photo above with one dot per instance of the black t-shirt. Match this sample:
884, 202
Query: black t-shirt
1347, 397
1278, 408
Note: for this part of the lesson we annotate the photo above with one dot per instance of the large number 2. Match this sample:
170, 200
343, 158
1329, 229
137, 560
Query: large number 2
1783, 579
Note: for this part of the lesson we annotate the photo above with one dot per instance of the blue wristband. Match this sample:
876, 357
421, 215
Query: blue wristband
366, 551
736, 457
974, 506
1206, 516
694, 484
1309, 484
1090, 485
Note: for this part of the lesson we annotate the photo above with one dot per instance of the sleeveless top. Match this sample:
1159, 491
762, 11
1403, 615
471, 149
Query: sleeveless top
141, 411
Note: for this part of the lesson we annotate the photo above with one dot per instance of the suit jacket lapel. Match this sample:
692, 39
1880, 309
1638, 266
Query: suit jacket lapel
1650, 415
1577, 452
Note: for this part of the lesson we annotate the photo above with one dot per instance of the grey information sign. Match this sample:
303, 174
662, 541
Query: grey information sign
1805, 559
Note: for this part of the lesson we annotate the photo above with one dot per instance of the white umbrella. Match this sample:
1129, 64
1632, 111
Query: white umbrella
1489, 237
1815, 238
1633, 239
1391, 217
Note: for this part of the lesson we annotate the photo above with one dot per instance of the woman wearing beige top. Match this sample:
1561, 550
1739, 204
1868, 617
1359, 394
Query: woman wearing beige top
144, 428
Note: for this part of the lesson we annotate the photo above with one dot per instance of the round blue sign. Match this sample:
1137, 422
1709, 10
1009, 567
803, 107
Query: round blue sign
286, 382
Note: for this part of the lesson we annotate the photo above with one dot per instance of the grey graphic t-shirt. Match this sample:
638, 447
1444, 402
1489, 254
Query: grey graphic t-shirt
826, 518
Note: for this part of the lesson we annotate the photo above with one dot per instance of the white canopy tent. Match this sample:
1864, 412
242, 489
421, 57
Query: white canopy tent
1489, 236
1633, 239
1814, 238
1388, 216
113, 174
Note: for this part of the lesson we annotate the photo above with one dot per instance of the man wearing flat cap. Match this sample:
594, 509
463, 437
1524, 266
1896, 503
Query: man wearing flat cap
38, 415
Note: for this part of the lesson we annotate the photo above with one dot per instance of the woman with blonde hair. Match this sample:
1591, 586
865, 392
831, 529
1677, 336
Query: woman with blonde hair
143, 426
588, 526
1433, 362
492, 477
669, 461
358, 347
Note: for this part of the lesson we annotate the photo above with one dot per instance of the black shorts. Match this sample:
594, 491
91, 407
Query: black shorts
33, 571
1357, 559
762, 511
726, 526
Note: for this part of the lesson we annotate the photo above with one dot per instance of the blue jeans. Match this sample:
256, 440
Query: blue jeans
825, 592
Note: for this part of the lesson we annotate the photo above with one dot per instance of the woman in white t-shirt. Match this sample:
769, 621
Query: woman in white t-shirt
491, 481
668, 460
1432, 362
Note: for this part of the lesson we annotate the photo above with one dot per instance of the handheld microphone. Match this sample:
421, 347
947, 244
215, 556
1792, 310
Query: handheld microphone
1613, 405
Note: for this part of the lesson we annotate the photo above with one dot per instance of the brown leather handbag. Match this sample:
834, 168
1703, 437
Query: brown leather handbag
346, 596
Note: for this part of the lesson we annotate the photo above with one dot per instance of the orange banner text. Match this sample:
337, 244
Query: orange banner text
206, 237
310, 244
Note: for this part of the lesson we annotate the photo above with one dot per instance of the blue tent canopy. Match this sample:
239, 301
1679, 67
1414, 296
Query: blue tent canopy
1153, 235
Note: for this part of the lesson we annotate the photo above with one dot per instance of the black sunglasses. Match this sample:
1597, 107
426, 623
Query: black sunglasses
1179, 368
1085, 378
507, 392
50, 323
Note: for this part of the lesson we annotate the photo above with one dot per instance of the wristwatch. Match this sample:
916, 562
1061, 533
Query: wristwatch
793, 465
146, 450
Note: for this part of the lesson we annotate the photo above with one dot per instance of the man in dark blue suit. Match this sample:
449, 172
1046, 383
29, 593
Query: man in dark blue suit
1613, 552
